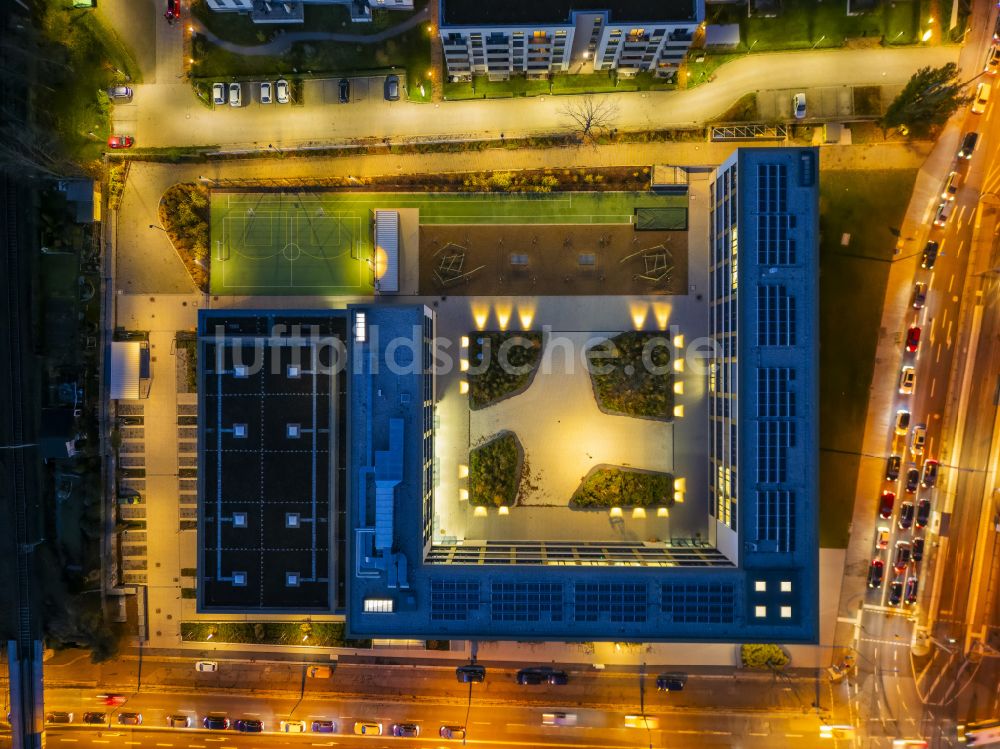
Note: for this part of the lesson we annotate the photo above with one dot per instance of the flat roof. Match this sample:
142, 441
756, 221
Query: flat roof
270, 436
552, 12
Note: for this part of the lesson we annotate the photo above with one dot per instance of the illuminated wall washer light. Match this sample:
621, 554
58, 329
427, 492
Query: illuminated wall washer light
678, 365
662, 512
616, 512
638, 513
679, 340
480, 512
679, 411
679, 497
504, 510
463, 365
679, 388
464, 341
463, 494
463, 387
463, 470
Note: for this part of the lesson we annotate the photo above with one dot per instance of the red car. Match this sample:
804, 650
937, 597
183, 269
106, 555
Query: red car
885, 506
120, 141
173, 10
913, 339
112, 699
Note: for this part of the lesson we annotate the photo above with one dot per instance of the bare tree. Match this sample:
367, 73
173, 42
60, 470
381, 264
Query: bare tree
589, 118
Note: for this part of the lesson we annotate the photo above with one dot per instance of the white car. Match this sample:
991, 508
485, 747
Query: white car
265, 92
235, 95
919, 437
206, 666
218, 93
943, 213
799, 105
293, 726
281, 91
907, 380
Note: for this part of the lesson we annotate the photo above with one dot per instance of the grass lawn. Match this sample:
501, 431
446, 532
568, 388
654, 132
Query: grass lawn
701, 72
618, 487
864, 204
595, 83
501, 365
807, 23
495, 471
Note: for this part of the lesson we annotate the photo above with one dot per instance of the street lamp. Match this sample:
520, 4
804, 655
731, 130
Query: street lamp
926, 36
819, 40
752, 46
154, 226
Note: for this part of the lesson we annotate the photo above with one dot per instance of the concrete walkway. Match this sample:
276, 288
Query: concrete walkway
285, 39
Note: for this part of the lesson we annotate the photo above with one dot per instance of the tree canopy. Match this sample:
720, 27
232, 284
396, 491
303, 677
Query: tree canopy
930, 97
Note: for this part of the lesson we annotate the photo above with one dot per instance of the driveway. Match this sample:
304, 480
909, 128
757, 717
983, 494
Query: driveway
168, 114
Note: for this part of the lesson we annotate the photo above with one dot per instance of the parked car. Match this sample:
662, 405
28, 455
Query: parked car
206, 666
895, 592
120, 141
892, 466
391, 88
265, 92
218, 94
471, 673
913, 339
968, 146
95, 719
216, 722
882, 537
902, 421
943, 213
919, 438
58, 717
178, 721
293, 726
670, 682
130, 719
886, 503
982, 98
120, 93
930, 255
248, 725
919, 295
281, 91
912, 479
558, 678
235, 95
907, 380
992, 60
173, 10
910, 592
902, 557
951, 186
452, 732
406, 730
905, 515
324, 726
875, 572
799, 105
923, 513
531, 676
344, 88
367, 728
917, 553
928, 477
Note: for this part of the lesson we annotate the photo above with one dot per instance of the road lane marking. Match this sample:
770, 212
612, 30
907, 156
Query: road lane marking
951, 284
164, 744
960, 246
938, 357
961, 212
99, 741
69, 741
134, 743
934, 381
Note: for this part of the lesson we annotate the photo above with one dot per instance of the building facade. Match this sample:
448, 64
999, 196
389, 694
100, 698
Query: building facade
541, 38
292, 11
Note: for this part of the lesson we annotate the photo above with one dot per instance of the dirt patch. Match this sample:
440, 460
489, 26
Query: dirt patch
551, 259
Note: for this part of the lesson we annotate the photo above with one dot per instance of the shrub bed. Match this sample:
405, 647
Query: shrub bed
623, 384
763, 656
320, 634
495, 471
184, 215
607, 486
495, 382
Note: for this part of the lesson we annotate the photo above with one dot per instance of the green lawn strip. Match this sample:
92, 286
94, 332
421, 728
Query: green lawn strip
501, 365
118, 53
495, 471
864, 204
701, 72
320, 634
631, 375
609, 486
237, 28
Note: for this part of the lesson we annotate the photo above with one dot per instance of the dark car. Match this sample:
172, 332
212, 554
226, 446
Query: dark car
391, 88
919, 295
558, 678
912, 479
670, 682
471, 674
886, 503
906, 515
541, 676
95, 718
130, 719
892, 467
902, 556
245, 725
875, 572
345, 90
930, 255
895, 592
968, 145
928, 478
216, 722
918, 549
923, 513
910, 592
452, 732
913, 339
59, 717
409, 730
324, 726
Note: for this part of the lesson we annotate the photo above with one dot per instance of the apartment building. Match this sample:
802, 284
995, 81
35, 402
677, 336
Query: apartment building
293, 11
541, 37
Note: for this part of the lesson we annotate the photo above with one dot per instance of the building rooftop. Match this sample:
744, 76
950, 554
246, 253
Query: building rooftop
270, 440
524, 12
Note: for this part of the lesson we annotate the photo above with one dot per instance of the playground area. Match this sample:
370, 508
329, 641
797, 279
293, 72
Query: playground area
470, 243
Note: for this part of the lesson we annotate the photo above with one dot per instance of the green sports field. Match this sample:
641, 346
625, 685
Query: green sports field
321, 243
